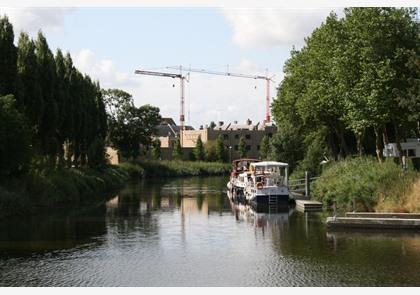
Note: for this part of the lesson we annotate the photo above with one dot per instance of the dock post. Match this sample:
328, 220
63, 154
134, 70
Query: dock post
307, 184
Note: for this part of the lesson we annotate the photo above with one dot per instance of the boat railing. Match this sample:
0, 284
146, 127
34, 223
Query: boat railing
302, 185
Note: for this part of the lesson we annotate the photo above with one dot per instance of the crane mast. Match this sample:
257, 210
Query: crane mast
257, 77
182, 79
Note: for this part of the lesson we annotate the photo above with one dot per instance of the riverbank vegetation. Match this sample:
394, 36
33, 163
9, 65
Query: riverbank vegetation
55, 124
67, 188
353, 87
350, 90
175, 168
364, 184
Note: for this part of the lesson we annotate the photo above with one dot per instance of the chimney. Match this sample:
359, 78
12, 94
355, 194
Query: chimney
235, 122
248, 122
220, 123
201, 127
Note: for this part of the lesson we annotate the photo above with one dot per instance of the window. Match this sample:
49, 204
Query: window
258, 147
236, 147
225, 136
410, 152
248, 147
247, 136
270, 135
236, 136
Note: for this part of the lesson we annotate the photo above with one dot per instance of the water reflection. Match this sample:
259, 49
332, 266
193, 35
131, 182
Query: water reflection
159, 233
56, 230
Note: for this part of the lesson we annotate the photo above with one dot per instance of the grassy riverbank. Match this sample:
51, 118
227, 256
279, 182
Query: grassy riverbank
175, 168
55, 188
58, 188
374, 186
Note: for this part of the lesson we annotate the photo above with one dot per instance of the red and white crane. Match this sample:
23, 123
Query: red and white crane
184, 78
267, 79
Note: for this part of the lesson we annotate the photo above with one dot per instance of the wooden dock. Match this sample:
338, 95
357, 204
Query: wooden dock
376, 221
308, 205
383, 215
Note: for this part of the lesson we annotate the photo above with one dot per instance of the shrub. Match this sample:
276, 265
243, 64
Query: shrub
363, 180
182, 168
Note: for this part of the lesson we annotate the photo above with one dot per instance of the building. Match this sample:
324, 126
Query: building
167, 132
410, 149
230, 132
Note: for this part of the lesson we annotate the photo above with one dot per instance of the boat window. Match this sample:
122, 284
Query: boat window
410, 152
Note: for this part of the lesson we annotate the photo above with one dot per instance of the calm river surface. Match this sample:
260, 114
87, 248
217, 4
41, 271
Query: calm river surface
184, 232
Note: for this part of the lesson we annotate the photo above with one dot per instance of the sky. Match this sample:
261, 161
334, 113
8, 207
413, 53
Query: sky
109, 44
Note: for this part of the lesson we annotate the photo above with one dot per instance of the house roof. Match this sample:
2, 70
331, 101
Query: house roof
170, 130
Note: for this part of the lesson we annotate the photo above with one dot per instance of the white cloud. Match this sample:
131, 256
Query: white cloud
273, 27
32, 19
103, 70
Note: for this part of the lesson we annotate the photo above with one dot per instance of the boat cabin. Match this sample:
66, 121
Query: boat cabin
242, 165
269, 173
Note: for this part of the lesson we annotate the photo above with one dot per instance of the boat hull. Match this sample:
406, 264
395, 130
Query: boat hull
262, 202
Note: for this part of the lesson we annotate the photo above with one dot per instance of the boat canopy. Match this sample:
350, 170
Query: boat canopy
269, 164
245, 160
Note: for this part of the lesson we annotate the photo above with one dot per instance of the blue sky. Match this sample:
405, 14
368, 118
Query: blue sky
110, 43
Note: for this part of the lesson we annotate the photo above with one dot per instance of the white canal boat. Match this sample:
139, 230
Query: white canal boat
266, 185
238, 178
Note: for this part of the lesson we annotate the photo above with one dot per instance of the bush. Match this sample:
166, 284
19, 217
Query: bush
58, 187
182, 168
364, 180
133, 170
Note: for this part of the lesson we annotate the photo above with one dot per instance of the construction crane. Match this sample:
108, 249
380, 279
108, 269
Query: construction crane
182, 79
227, 73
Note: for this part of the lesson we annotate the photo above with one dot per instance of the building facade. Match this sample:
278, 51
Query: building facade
230, 132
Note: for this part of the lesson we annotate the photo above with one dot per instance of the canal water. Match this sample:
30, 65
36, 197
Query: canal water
185, 232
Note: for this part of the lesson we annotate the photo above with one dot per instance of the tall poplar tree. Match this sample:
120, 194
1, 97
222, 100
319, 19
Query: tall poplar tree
47, 81
29, 96
242, 147
8, 57
199, 150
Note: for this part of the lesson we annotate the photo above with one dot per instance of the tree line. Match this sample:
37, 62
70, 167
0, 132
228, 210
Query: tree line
213, 150
352, 88
62, 109
52, 115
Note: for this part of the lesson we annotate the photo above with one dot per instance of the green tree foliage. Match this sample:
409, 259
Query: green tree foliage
130, 128
47, 82
264, 147
199, 152
210, 151
64, 109
352, 85
242, 147
221, 152
14, 138
177, 153
156, 151
8, 57
96, 153
29, 96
